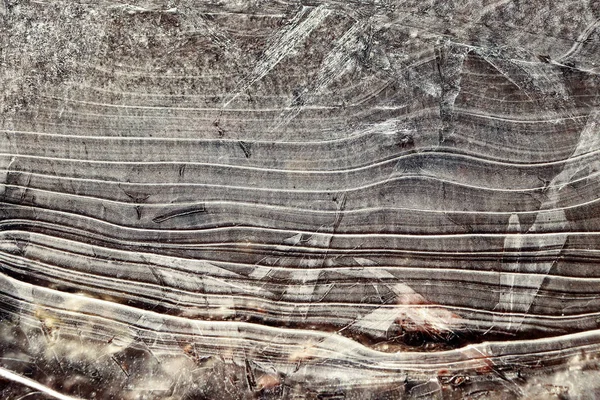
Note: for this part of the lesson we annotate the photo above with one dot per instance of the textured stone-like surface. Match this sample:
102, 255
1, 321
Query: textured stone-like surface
321, 200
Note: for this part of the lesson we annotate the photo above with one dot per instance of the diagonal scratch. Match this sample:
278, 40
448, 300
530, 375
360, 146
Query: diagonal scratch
334, 65
284, 42
13, 377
